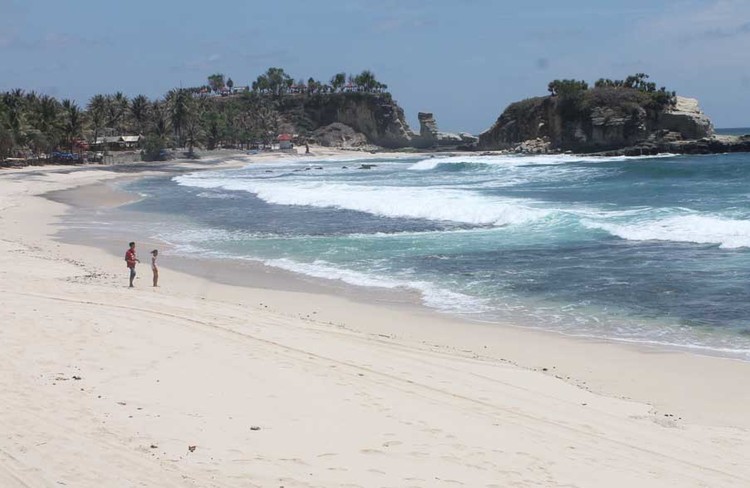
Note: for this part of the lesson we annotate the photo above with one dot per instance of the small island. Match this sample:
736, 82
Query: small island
614, 117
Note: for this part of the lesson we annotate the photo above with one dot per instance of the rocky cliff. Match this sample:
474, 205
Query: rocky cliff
593, 120
374, 115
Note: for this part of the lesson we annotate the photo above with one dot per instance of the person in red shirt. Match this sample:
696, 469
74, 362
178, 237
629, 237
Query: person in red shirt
131, 259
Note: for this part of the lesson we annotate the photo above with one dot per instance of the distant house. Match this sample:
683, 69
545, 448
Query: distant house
116, 142
285, 142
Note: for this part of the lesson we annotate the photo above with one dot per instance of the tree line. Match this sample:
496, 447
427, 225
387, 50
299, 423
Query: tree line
659, 99
33, 124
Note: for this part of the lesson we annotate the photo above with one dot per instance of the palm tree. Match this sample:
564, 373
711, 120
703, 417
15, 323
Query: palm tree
160, 125
44, 114
6, 137
72, 122
97, 110
117, 107
338, 81
139, 113
15, 122
181, 110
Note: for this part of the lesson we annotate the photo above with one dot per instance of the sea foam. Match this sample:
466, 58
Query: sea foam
431, 203
509, 160
432, 295
701, 229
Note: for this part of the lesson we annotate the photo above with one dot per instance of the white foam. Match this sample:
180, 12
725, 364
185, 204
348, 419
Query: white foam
432, 295
510, 160
701, 229
442, 204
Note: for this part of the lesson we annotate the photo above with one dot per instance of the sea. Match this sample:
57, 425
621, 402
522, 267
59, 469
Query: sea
651, 250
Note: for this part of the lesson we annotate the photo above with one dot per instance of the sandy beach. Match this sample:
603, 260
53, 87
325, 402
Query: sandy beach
203, 383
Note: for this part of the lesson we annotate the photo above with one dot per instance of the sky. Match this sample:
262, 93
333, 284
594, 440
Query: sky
463, 60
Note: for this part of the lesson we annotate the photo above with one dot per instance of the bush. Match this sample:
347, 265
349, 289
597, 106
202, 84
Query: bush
154, 149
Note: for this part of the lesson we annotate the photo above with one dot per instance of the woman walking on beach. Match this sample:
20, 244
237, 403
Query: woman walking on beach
155, 268
131, 259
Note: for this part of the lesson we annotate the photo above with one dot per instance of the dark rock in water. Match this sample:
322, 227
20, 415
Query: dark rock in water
345, 167
708, 145
367, 166
319, 167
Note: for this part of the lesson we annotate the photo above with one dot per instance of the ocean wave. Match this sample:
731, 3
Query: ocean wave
510, 160
432, 295
700, 229
430, 203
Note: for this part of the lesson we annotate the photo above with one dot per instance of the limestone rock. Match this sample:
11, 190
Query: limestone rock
377, 116
609, 119
431, 137
340, 136
686, 118
534, 146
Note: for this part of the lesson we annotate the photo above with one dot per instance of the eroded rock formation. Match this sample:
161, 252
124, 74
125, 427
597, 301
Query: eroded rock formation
431, 137
607, 119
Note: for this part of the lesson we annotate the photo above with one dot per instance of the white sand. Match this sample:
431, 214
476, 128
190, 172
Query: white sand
343, 393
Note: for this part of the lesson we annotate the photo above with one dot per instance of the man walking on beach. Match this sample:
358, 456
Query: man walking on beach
131, 259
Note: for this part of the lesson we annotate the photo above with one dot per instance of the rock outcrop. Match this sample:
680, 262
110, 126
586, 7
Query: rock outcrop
687, 119
708, 145
377, 116
595, 120
430, 137
340, 136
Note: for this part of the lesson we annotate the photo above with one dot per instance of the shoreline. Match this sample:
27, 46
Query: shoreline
254, 273
272, 280
539, 380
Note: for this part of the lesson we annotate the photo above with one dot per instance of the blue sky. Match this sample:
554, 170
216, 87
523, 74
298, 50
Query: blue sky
464, 60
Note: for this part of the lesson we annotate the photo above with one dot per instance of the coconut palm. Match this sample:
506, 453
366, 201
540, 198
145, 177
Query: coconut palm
181, 108
97, 109
72, 126
139, 113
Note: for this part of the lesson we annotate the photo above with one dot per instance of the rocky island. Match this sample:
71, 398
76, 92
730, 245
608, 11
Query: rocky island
614, 117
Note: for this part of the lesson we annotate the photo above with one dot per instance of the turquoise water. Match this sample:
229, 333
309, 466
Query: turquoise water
653, 250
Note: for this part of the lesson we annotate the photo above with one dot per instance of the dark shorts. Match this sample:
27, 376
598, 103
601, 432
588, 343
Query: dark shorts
132, 272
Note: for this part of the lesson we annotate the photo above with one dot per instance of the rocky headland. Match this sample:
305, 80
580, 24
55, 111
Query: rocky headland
620, 117
366, 121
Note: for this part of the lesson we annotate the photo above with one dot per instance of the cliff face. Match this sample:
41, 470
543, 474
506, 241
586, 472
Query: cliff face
377, 116
595, 120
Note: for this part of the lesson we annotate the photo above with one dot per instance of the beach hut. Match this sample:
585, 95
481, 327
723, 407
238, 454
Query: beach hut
285, 142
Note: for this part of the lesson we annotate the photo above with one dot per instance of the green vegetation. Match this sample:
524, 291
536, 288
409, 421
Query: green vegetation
575, 97
218, 114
